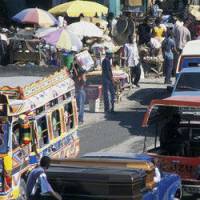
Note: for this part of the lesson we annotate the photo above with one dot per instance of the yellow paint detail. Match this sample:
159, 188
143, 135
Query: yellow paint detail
15, 192
135, 2
4, 197
8, 163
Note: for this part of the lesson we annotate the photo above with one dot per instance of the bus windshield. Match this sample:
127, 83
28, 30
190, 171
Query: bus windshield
4, 133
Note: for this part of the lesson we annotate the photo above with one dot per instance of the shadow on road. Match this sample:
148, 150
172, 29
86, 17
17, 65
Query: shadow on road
131, 120
144, 96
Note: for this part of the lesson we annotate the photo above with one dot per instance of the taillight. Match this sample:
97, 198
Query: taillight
7, 182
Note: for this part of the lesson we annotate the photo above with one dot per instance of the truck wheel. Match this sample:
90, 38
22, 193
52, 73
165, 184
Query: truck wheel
22, 190
178, 194
196, 196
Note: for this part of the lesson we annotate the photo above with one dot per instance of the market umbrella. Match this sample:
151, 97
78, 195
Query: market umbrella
77, 7
85, 29
63, 39
108, 44
35, 16
41, 32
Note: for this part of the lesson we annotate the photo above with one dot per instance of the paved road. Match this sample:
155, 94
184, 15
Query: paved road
122, 132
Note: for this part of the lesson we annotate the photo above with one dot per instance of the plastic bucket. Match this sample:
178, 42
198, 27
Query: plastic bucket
68, 60
94, 105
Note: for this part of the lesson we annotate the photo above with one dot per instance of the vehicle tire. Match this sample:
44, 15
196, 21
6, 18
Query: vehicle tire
196, 196
22, 190
178, 194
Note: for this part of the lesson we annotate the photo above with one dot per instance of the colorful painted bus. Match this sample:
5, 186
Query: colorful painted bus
37, 119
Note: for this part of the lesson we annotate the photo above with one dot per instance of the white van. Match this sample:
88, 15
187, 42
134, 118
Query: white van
190, 56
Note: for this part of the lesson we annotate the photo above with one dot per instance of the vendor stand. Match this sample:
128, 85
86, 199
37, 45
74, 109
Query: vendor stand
24, 50
94, 80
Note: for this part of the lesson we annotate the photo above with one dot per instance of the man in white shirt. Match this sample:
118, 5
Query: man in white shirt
181, 34
132, 60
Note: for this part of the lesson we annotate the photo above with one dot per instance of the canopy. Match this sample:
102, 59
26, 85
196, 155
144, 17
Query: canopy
85, 29
35, 16
194, 10
76, 8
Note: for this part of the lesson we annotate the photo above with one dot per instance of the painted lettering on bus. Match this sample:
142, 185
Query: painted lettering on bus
177, 167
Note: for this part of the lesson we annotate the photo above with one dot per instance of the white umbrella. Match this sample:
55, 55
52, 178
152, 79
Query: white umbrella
74, 39
85, 29
41, 32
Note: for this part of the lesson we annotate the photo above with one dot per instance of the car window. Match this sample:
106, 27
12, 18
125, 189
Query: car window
188, 82
190, 62
42, 129
56, 125
69, 116
16, 137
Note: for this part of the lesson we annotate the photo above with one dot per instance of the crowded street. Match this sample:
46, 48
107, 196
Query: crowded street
100, 100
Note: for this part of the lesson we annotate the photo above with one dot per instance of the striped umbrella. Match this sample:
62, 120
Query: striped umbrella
35, 16
63, 39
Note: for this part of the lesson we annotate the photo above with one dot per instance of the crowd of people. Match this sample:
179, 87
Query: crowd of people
165, 40
164, 37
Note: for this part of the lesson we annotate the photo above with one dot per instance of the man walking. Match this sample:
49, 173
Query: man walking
108, 86
80, 95
182, 35
37, 183
168, 47
132, 60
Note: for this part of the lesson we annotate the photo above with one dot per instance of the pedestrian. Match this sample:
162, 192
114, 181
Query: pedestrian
37, 183
156, 11
168, 48
108, 83
182, 35
158, 30
131, 56
80, 82
144, 32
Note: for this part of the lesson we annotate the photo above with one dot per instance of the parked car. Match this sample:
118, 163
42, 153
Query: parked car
190, 56
187, 82
177, 151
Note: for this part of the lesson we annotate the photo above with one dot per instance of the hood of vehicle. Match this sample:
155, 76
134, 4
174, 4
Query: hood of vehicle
186, 93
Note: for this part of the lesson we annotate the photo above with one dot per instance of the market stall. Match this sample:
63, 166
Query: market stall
94, 81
